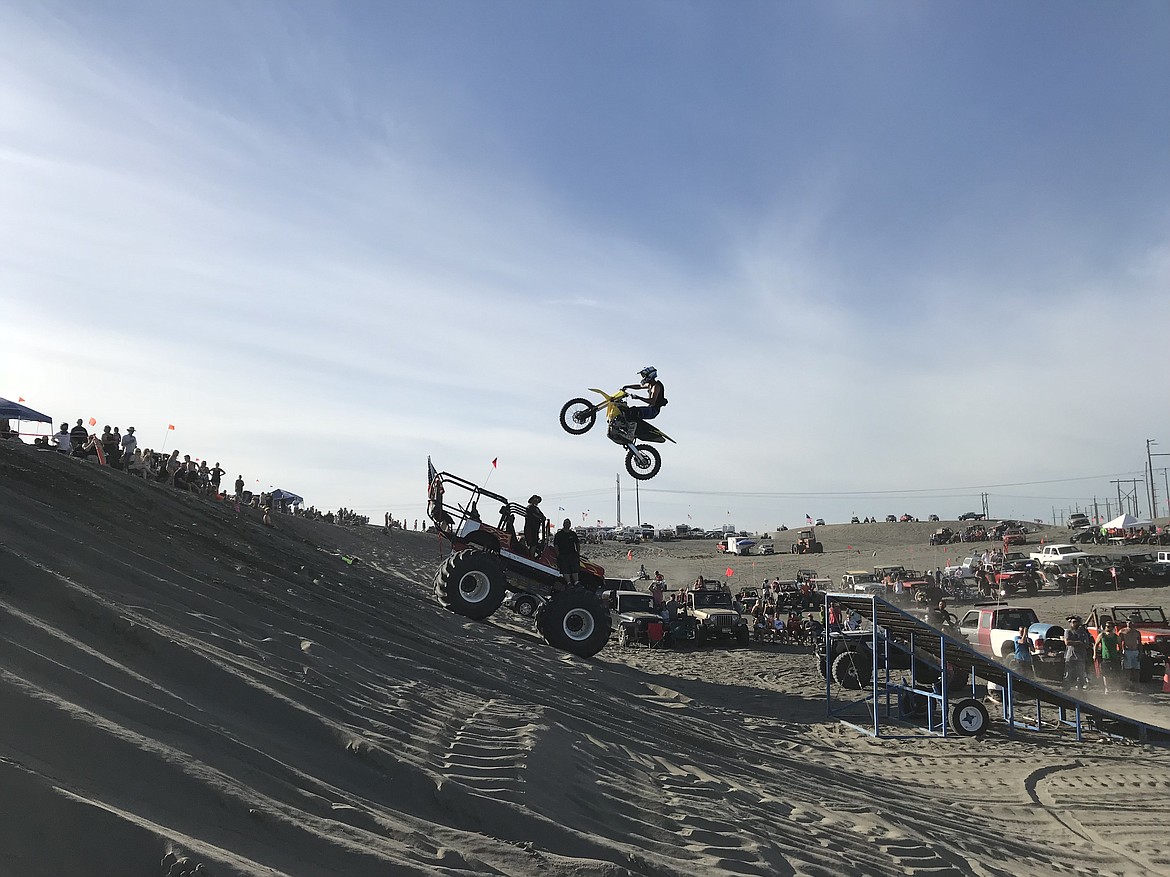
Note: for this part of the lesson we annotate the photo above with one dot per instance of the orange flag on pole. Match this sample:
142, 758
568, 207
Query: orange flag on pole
630, 554
170, 426
20, 399
92, 422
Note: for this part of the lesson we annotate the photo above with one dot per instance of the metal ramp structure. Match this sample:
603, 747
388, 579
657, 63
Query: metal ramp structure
935, 677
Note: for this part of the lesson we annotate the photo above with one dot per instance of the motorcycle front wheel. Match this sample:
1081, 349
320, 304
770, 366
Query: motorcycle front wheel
645, 463
578, 416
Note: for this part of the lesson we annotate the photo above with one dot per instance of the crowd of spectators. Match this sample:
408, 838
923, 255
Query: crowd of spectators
120, 450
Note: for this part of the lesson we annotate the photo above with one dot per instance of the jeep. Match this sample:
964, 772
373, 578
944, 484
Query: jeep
487, 561
631, 612
715, 617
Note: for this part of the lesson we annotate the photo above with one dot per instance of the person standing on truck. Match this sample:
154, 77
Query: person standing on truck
533, 524
1077, 643
568, 553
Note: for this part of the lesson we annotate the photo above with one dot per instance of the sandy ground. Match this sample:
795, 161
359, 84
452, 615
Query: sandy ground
177, 679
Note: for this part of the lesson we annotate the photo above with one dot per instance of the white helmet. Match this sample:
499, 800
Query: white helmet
649, 373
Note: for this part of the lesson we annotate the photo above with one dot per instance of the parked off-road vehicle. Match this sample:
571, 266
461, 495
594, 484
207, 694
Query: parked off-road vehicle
488, 561
633, 611
716, 618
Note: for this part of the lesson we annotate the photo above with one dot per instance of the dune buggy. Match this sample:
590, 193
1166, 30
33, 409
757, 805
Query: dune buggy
488, 560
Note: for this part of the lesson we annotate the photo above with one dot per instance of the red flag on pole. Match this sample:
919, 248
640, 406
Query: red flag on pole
730, 572
20, 399
494, 461
92, 422
630, 554
170, 426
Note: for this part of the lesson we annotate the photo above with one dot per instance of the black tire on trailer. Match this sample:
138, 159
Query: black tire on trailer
526, 605
575, 621
743, 637
817, 548
851, 670
470, 583
969, 718
647, 470
578, 416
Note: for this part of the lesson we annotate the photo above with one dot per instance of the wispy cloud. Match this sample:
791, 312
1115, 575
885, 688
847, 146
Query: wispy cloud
326, 261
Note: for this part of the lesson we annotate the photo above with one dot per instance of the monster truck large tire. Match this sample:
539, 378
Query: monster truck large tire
578, 416
852, 670
575, 621
647, 470
470, 583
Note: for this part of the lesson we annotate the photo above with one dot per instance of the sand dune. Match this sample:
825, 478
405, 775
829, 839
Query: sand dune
176, 678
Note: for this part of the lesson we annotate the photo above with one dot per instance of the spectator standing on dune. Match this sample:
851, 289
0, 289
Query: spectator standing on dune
239, 488
63, 439
174, 464
129, 443
216, 474
78, 436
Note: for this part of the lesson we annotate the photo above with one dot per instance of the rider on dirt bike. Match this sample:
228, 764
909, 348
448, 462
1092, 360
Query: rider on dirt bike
655, 399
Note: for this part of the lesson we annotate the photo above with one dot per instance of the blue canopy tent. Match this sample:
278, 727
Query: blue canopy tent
287, 497
16, 411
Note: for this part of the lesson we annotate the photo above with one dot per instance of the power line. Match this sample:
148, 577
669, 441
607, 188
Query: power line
908, 492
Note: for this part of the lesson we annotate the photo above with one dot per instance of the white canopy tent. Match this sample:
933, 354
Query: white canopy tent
1125, 522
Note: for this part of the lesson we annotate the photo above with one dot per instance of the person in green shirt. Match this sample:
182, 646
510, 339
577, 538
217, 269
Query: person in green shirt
1108, 651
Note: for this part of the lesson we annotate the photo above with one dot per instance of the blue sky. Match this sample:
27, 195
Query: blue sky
885, 255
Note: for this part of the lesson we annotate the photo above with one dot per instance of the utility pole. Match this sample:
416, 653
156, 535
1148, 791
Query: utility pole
1153, 487
1166, 480
1096, 514
618, 479
1130, 498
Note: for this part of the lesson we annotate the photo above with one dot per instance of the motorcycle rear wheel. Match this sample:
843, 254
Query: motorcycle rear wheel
643, 470
578, 416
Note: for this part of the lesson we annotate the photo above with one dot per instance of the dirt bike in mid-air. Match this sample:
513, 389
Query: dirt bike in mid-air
642, 460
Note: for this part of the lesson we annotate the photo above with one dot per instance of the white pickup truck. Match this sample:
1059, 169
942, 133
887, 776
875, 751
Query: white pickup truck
1057, 554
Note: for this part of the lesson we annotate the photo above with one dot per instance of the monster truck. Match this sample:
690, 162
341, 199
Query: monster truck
488, 561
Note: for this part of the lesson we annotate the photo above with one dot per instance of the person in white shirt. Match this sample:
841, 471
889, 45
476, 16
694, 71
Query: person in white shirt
63, 440
129, 443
